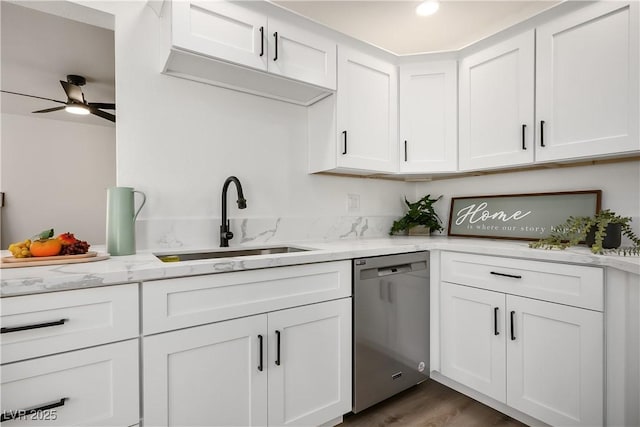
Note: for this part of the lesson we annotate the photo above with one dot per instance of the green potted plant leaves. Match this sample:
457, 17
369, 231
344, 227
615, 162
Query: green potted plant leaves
602, 233
420, 219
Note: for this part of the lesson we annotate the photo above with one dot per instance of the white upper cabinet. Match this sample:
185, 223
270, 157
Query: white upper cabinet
367, 112
496, 105
301, 54
586, 91
587, 83
356, 130
221, 29
428, 117
223, 43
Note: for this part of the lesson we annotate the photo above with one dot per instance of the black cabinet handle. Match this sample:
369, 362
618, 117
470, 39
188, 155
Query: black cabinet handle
524, 145
21, 413
261, 41
513, 332
34, 326
278, 348
275, 35
542, 133
513, 276
405, 150
344, 151
260, 367
495, 321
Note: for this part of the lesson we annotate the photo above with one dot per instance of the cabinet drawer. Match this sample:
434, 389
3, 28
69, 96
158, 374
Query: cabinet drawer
574, 285
93, 387
38, 325
179, 303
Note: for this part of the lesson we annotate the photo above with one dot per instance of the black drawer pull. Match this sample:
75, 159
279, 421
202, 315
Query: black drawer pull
542, 133
495, 321
513, 276
513, 332
344, 151
278, 348
406, 157
20, 413
260, 367
524, 144
275, 35
261, 41
34, 326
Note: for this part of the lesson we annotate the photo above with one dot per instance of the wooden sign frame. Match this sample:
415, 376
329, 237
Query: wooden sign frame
518, 216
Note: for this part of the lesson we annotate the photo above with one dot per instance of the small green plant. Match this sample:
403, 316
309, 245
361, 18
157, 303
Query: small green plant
418, 213
575, 229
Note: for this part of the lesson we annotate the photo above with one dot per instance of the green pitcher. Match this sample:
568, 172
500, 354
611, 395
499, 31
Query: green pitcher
121, 217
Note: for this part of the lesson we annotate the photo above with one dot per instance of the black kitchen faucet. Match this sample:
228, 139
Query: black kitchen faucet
225, 233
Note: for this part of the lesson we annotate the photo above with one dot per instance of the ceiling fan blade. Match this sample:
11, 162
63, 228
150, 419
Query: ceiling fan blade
74, 93
33, 96
102, 114
102, 105
49, 110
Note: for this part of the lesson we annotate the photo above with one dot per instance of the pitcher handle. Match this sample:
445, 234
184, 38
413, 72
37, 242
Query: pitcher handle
144, 200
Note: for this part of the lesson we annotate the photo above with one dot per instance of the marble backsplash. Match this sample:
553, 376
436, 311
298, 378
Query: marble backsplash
203, 232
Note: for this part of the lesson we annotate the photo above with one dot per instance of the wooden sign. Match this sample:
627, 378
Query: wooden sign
518, 216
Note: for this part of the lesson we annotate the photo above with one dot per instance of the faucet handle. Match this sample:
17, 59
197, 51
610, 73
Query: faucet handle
228, 234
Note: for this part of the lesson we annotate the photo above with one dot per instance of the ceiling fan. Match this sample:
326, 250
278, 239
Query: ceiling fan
75, 104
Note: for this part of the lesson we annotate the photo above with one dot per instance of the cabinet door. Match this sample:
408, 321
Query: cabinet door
496, 105
587, 83
428, 117
473, 338
555, 362
310, 363
221, 29
367, 112
92, 387
301, 55
207, 376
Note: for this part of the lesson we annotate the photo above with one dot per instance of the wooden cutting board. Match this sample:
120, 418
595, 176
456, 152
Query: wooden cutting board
13, 262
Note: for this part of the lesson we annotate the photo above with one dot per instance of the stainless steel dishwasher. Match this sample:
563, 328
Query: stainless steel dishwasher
391, 326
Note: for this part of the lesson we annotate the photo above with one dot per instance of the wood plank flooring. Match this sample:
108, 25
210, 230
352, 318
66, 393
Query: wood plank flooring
430, 404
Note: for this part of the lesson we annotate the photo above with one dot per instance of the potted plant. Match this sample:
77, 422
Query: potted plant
601, 232
421, 219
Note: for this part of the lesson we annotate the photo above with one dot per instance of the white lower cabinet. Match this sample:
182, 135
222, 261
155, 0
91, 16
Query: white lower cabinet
472, 352
205, 376
97, 386
288, 367
541, 358
555, 362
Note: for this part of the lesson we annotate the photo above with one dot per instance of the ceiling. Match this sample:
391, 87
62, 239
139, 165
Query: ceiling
394, 25
40, 49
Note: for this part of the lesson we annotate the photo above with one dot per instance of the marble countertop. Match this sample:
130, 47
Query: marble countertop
144, 266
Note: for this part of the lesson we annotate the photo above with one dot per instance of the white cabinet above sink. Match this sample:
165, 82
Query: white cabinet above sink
229, 44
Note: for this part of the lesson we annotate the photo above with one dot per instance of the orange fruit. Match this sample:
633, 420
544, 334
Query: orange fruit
45, 247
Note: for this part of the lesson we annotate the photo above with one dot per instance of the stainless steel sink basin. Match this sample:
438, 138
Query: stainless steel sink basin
191, 256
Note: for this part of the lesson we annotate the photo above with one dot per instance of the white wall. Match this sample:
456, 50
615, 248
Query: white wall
619, 182
178, 140
55, 175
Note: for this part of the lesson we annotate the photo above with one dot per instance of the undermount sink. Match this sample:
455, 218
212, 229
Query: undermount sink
191, 256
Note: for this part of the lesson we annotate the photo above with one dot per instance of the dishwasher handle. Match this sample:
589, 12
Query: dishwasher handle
396, 269
389, 270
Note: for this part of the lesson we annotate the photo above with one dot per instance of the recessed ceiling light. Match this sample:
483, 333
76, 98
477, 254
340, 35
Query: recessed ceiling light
427, 8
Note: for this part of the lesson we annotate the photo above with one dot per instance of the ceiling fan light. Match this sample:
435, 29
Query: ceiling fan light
76, 109
427, 8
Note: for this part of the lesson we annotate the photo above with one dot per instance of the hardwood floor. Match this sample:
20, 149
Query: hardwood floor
430, 404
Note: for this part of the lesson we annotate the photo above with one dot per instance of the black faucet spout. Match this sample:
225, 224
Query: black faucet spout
225, 232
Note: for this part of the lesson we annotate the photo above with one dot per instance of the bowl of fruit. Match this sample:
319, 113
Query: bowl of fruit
44, 249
